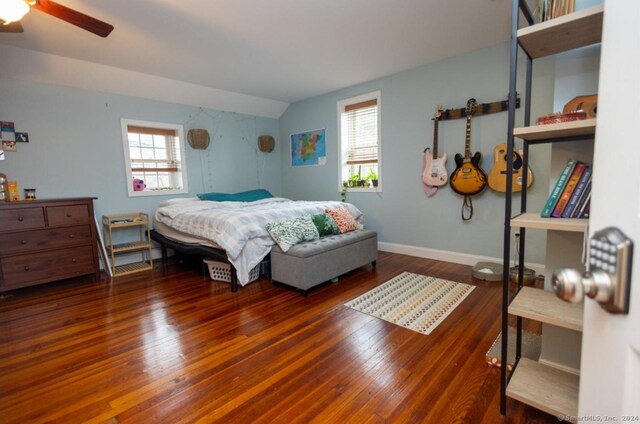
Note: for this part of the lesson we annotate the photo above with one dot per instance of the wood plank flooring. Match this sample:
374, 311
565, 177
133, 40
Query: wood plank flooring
177, 347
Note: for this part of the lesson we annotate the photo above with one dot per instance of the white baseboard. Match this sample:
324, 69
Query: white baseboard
445, 255
558, 366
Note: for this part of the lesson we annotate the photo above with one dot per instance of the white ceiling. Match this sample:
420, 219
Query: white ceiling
285, 50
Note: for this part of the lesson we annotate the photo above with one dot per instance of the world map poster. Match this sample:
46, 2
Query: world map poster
308, 148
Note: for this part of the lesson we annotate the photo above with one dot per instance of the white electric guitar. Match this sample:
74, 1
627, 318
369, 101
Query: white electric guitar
435, 170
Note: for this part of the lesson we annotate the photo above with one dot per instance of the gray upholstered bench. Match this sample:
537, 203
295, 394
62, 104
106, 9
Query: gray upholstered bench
308, 264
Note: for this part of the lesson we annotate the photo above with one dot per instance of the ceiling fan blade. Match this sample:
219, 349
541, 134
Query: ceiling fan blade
73, 17
12, 27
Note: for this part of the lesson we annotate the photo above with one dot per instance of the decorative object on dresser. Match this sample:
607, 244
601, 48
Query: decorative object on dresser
4, 190
47, 240
29, 194
132, 220
14, 193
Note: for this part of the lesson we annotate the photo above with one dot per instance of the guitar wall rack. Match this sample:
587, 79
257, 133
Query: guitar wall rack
481, 109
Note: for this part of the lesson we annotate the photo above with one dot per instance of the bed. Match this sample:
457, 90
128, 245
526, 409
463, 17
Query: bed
235, 228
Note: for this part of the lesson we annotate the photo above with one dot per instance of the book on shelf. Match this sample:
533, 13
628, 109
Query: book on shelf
550, 9
586, 195
557, 189
577, 193
568, 190
584, 208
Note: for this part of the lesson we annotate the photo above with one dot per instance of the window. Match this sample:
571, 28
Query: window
359, 140
154, 153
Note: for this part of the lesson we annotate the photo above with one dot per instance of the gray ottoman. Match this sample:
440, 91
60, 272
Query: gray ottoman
308, 264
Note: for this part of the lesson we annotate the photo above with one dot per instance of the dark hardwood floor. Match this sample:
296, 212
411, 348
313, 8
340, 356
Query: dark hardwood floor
176, 347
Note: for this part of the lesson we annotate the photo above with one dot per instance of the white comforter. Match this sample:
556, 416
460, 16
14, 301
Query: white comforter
239, 227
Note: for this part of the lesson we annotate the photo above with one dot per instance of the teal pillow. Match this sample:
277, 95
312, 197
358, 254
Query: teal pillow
244, 196
292, 231
325, 224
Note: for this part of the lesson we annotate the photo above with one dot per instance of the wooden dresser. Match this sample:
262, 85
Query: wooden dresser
47, 240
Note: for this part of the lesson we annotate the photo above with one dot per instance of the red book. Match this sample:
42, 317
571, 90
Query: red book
572, 183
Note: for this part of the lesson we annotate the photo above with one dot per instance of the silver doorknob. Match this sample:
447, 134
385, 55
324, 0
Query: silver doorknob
572, 286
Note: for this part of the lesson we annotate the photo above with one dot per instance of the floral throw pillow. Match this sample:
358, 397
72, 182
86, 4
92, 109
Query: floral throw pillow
293, 231
343, 218
325, 224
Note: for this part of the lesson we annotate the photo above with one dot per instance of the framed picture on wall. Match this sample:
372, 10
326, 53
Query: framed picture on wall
22, 137
308, 148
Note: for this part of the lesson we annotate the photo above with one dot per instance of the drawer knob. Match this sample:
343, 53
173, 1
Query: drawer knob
68, 215
20, 219
71, 236
26, 268
74, 260
23, 242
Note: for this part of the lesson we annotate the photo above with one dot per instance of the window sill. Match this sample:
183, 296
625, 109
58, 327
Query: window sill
145, 193
363, 190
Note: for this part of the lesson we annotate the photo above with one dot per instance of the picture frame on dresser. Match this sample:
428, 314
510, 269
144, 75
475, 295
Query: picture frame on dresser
4, 190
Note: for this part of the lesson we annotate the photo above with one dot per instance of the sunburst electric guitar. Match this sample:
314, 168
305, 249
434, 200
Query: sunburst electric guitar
498, 174
468, 178
435, 170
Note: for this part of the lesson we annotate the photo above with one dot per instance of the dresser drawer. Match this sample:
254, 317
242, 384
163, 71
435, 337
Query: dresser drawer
68, 215
54, 238
46, 266
21, 219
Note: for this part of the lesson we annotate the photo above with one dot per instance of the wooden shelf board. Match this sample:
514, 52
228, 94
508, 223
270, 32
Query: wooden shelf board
534, 220
132, 268
543, 387
544, 306
131, 246
128, 224
585, 127
568, 32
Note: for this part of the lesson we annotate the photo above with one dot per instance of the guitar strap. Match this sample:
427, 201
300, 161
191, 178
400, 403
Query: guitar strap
468, 206
430, 191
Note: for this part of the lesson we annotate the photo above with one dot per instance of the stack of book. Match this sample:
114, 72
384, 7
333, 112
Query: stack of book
551, 9
571, 196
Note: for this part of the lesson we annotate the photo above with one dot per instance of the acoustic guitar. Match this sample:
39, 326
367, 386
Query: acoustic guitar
435, 171
498, 174
468, 178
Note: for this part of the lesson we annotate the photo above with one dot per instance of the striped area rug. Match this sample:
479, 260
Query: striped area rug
416, 302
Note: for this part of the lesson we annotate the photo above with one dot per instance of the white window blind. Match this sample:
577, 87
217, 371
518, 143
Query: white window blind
155, 157
361, 121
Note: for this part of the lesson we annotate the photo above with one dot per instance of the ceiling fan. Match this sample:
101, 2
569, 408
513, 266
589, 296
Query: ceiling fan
11, 11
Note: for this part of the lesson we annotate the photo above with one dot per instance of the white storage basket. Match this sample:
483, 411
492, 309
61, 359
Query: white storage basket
221, 271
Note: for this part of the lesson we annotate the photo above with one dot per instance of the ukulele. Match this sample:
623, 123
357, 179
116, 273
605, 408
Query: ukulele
435, 171
468, 179
498, 174
588, 104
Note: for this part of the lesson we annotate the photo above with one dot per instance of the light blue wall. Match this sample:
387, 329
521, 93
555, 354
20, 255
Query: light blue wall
402, 213
76, 147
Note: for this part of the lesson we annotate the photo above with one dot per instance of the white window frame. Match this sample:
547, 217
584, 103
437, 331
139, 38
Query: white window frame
124, 122
342, 147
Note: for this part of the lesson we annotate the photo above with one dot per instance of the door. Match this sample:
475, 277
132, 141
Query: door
610, 371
